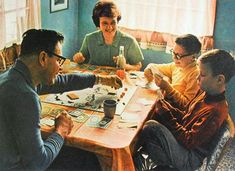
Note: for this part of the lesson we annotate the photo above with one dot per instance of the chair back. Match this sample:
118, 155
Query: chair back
220, 142
8, 56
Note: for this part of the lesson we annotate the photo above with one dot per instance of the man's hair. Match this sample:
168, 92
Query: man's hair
35, 41
220, 62
105, 8
190, 43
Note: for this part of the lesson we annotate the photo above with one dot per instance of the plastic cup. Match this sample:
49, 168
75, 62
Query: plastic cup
110, 108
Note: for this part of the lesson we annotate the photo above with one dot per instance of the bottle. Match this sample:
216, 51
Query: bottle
121, 60
121, 63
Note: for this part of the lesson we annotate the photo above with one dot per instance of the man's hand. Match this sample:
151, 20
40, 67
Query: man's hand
148, 74
78, 58
110, 80
63, 124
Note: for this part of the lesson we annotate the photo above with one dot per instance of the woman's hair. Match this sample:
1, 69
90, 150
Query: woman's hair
220, 62
190, 43
35, 41
105, 8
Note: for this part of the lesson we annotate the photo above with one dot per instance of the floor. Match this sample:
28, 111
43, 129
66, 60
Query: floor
227, 163
87, 161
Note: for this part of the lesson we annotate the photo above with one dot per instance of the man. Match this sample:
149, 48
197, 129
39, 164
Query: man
181, 139
36, 72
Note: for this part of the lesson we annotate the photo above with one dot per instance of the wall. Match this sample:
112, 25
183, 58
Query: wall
76, 22
65, 21
225, 25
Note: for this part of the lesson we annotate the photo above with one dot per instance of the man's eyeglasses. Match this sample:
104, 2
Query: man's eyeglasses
60, 59
177, 56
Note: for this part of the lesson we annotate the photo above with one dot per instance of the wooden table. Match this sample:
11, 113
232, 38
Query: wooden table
113, 145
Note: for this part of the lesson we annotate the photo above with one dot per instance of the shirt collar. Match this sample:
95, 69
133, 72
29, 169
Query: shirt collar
214, 98
191, 65
116, 40
24, 71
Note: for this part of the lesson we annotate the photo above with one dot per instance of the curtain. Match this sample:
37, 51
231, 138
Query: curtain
32, 19
25, 14
2, 25
34, 14
156, 23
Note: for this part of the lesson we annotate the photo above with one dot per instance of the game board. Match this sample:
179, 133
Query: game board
92, 98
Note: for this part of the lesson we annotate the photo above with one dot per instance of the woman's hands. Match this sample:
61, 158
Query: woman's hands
78, 58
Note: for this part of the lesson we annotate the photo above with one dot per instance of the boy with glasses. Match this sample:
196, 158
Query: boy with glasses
178, 79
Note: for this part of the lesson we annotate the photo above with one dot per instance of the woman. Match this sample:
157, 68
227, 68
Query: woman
181, 83
102, 46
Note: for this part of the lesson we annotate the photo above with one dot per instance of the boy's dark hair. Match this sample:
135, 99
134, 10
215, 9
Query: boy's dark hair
105, 9
220, 62
35, 41
190, 43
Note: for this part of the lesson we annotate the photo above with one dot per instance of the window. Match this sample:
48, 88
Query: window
16, 17
160, 21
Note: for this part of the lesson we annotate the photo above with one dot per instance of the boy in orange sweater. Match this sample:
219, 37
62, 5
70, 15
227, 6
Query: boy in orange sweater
181, 139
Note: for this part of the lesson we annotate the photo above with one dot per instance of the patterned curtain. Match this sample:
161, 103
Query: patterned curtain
156, 23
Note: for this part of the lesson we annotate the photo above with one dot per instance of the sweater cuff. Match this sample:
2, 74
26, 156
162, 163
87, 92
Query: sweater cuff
167, 116
57, 136
169, 90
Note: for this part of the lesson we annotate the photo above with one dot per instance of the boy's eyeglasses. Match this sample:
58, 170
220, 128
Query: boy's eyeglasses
60, 59
177, 56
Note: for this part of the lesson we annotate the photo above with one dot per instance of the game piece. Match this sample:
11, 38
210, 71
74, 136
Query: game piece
72, 96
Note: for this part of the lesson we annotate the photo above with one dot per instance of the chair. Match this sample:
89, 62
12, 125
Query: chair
8, 55
221, 141
2, 62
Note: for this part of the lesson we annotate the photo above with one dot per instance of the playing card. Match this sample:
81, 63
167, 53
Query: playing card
104, 122
82, 117
75, 113
93, 121
46, 121
55, 112
97, 122
79, 115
